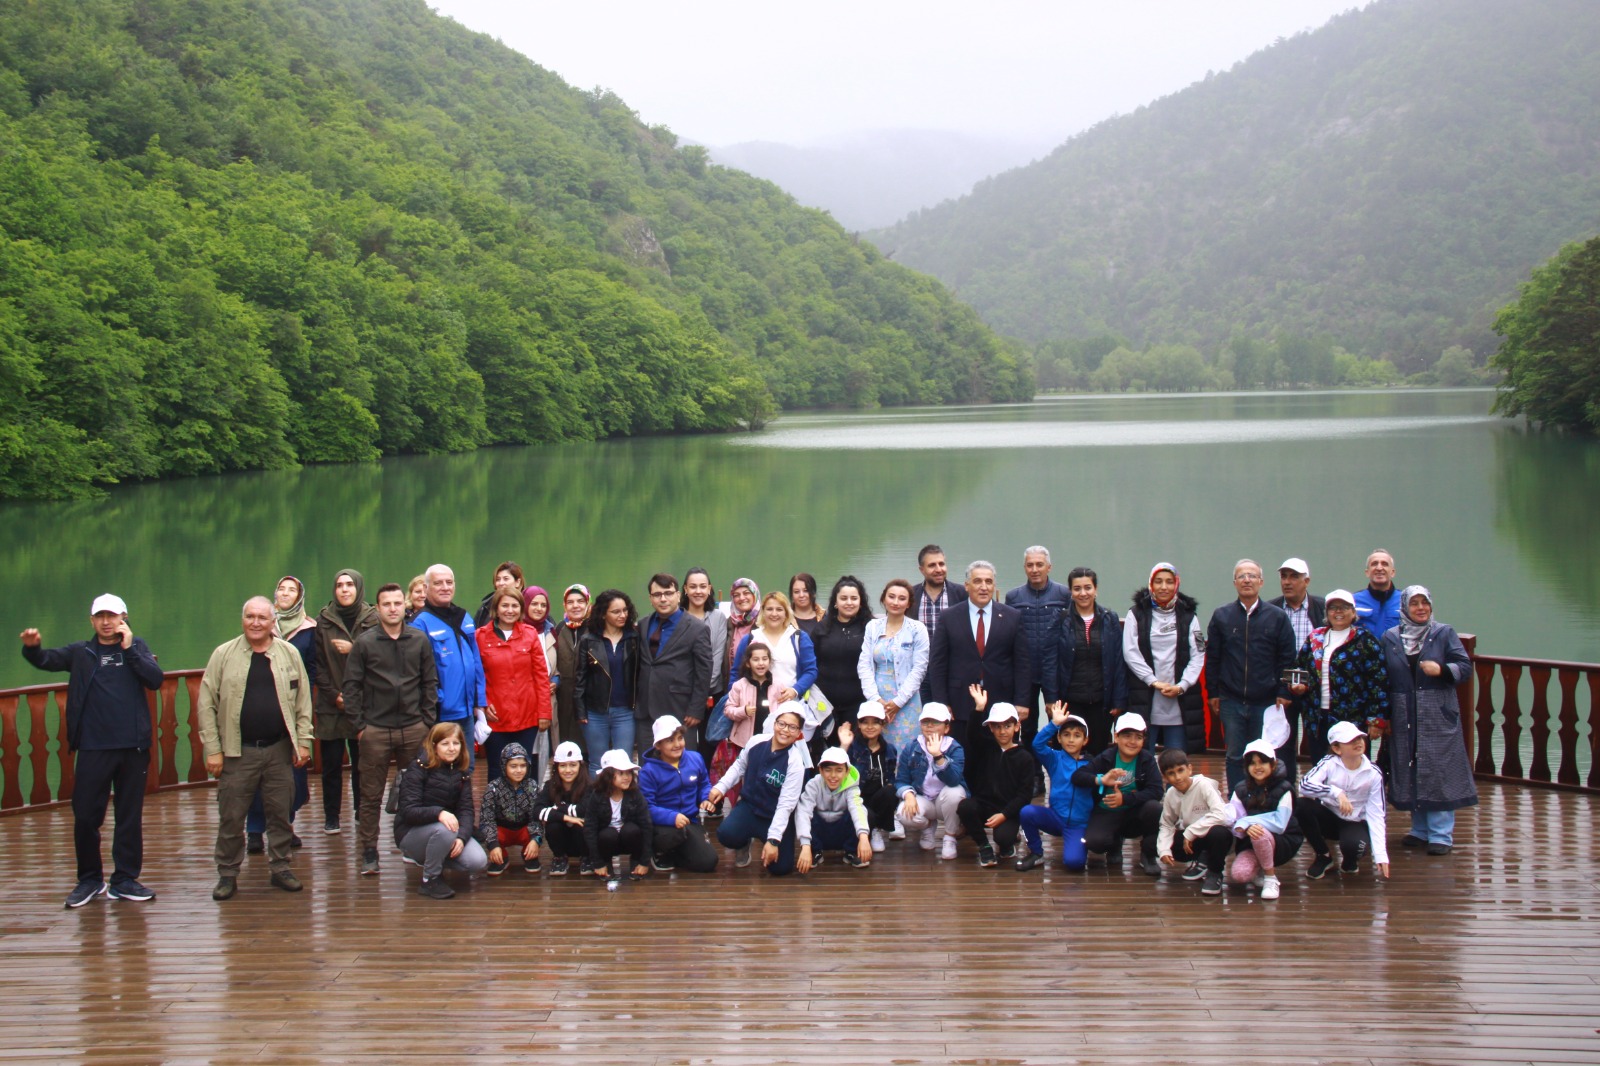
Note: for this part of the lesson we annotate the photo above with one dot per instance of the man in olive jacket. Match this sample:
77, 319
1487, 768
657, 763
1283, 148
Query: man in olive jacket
255, 725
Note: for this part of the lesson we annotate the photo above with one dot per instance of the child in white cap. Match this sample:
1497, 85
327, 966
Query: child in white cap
1067, 816
999, 794
1263, 819
874, 759
1342, 797
560, 818
831, 816
675, 783
931, 782
616, 819
1127, 789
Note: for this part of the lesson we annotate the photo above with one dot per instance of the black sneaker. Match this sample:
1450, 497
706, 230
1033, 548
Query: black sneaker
226, 887
1319, 866
587, 869
817, 861
496, 869
254, 844
129, 889
1151, 866
1009, 853
1030, 861
1433, 849
531, 866
436, 889
295, 841
330, 826
559, 866
1411, 840
83, 893
1195, 872
662, 863
852, 860
287, 881
1114, 859
986, 856
1212, 886
369, 862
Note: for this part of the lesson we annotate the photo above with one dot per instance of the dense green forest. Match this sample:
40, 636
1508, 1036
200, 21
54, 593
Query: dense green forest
1551, 352
241, 234
1377, 187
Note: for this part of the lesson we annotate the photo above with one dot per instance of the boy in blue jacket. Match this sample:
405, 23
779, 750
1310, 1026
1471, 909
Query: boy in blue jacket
1068, 814
675, 783
930, 781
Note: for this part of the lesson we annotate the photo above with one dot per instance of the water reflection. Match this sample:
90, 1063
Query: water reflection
1548, 492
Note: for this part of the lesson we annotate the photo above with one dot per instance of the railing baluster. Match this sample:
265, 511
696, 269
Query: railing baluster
38, 749
63, 754
197, 752
1484, 763
1511, 720
1594, 728
10, 753
168, 737
1540, 714
1567, 735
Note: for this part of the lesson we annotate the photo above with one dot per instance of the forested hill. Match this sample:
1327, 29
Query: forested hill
1386, 182
238, 234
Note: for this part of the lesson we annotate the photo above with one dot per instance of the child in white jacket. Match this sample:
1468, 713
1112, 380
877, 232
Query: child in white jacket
1342, 797
1196, 822
831, 815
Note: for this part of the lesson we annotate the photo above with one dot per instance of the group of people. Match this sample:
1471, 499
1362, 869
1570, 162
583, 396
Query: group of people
801, 728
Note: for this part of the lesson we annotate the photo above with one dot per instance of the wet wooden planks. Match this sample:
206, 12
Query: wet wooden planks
1490, 955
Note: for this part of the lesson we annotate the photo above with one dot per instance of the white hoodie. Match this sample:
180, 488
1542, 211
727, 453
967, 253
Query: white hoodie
1363, 787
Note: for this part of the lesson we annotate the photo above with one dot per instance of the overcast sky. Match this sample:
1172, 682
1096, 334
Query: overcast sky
721, 72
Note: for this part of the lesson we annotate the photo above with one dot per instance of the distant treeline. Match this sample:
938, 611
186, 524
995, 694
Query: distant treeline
240, 235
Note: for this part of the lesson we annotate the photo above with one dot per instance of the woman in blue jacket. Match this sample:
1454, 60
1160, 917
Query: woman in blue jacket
794, 657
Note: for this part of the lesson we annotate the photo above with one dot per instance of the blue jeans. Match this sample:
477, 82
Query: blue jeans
604, 732
1171, 736
1436, 827
528, 738
1036, 819
745, 825
1241, 723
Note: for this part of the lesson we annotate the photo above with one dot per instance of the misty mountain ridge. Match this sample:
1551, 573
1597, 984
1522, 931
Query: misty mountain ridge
873, 178
1386, 181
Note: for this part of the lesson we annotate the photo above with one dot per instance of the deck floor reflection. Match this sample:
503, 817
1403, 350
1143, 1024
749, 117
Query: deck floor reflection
1491, 955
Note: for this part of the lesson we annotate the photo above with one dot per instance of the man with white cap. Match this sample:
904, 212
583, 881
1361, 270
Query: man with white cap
108, 729
675, 783
999, 794
1306, 613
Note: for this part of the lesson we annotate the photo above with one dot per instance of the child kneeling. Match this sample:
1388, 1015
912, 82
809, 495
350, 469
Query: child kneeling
999, 795
1342, 797
1196, 823
1128, 789
1263, 819
433, 824
930, 780
507, 818
772, 769
1068, 814
616, 819
558, 804
874, 761
675, 783
831, 810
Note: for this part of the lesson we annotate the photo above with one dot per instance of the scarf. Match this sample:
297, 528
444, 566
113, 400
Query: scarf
352, 614
528, 594
754, 613
1412, 633
294, 619
1177, 586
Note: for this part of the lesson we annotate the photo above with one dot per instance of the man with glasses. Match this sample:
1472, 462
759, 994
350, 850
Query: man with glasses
1249, 646
674, 662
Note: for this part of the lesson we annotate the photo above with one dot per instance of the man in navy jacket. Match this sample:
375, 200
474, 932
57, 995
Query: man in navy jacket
958, 659
108, 727
1040, 602
1249, 645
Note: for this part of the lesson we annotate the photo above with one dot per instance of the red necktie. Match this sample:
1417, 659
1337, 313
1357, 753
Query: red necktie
980, 631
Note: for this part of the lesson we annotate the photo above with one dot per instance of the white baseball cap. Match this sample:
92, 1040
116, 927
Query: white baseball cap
1129, 721
664, 727
871, 709
567, 751
934, 712
1342, 595
108, 602
1263, 748
1297, 564
1001, 712
617, 759
1344, 732
1073, 719
834, 755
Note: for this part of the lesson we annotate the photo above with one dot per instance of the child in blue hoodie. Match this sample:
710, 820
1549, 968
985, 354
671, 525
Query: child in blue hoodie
675, 783
1068, 813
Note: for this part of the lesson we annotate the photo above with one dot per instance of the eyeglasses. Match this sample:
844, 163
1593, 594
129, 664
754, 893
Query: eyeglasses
663, 593
787, 728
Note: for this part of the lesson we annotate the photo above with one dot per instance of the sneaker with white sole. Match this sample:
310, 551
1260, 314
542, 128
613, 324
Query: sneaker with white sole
1195, 872
1269, 887
741, 857
929, 839
129, 889
877, 840
948, 851
83, 893
899, 830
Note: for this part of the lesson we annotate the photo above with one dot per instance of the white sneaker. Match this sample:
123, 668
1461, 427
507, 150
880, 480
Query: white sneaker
929, 839
949, 849
1269, 888
877, 840
899, 831
1260, 879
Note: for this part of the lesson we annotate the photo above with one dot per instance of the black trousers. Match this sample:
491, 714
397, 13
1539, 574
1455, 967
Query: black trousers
98, 776
332, 752
974, 811
1108, 828
881, 803
687, 848
625, 841
562, 838
1319, 823
1211, 849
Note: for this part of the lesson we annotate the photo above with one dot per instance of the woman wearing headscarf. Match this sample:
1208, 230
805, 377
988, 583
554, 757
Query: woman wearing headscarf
345, 618
744, 611
1429, 773
1163, 670
289, 610
536, 612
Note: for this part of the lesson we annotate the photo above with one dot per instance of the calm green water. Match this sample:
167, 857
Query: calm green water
1500, 523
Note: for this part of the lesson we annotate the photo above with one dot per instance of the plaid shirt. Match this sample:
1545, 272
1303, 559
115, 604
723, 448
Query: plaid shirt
928, 612
1300, 619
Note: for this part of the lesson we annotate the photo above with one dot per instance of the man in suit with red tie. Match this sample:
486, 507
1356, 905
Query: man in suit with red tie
980, 642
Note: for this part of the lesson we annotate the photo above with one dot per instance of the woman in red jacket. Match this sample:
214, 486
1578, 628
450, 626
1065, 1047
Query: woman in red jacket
518, 677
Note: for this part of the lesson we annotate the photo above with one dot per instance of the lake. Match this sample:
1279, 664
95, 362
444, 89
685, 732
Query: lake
1496, 520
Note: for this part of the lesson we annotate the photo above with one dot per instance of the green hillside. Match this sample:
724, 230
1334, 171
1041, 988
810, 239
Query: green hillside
238, 234
1384, 183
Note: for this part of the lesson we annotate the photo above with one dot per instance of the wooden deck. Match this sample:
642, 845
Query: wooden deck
1490, 955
